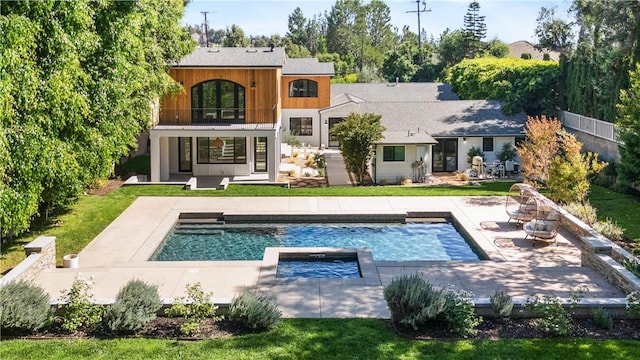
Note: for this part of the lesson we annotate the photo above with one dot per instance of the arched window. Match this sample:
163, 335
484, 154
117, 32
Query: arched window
217, 101
303, 88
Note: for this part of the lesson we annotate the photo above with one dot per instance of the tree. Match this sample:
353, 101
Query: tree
629, 123
552, 32
451, 47
234, 37
570, 170
357, 133
496, 48
475, 29
297, 28
539, 149
76, 84
398, 66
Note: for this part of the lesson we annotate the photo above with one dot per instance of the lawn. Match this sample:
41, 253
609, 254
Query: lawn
319, 339
623, 209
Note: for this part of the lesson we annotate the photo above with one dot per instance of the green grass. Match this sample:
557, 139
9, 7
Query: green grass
621, 208
320, 339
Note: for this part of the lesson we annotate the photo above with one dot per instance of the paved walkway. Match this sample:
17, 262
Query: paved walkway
121, 251
336, 172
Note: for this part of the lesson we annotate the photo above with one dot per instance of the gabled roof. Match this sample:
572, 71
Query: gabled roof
235, 57
307, 66
448, 118
431, 108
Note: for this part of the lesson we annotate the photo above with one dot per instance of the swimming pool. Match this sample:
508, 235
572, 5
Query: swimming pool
387, 241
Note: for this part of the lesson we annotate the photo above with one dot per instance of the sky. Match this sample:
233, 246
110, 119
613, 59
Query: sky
507, 20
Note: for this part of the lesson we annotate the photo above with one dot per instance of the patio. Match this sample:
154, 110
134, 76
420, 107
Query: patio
121, 251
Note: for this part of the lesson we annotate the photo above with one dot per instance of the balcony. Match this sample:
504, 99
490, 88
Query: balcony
217, 116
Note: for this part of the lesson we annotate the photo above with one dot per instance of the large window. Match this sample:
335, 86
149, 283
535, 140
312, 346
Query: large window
303, 88
301, 126
218, 150
217, 101
487, 144
393, 153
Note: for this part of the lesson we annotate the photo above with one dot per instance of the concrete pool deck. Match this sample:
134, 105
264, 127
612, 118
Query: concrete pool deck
120, 253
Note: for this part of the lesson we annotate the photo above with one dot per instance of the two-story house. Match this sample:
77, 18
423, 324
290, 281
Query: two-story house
228, 121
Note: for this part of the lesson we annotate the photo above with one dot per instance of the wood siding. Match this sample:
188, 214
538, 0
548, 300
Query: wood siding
324, 93
259, 100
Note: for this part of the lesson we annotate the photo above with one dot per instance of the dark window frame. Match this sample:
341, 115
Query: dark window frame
204, 155
202, 112
487, 144
300, 129
303, 88
390, 153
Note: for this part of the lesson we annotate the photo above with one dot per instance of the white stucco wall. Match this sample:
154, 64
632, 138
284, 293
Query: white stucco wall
394, 171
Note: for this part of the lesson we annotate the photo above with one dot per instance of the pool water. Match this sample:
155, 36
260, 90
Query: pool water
318, 269
388, 242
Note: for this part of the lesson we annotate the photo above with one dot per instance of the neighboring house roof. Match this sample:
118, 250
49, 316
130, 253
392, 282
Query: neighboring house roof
518, 48
234, 57
407, 92
419, 108
307, 66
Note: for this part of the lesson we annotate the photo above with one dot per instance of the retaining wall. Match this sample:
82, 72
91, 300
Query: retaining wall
41, 255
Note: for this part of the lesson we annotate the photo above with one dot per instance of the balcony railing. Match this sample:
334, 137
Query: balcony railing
217, 116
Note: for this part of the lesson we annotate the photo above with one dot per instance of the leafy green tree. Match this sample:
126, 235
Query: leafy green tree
451, 47
496, 48
475, 29
297, 27
523, 85
629, 124
234, 37
398, 66
552, 32
357, 133
76, 84
570, 170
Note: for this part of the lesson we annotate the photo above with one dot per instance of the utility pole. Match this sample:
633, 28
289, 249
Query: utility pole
206, 28
418, 11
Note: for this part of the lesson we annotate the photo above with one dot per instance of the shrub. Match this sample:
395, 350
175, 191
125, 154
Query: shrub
632, 266
506, 153
633, 304
413, 301
136, 304
554, 319
459, 313
193, 308
609, 229
602, 318
546, 57
24, 307
502, 304
80, 313
255, 311
525, 56
583, 211
474, 151
291, 140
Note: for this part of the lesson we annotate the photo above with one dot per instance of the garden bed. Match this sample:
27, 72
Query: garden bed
489, 329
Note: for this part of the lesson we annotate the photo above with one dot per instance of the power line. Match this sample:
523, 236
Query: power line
418, 11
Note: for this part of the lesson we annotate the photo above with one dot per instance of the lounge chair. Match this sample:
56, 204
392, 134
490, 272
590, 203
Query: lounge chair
520, 204
544, 227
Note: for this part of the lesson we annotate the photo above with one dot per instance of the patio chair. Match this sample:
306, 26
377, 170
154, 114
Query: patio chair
520, 205
544, 227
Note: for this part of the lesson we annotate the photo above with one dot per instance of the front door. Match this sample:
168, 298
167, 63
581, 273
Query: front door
184, 154
333, 140
260, 154
445, 155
